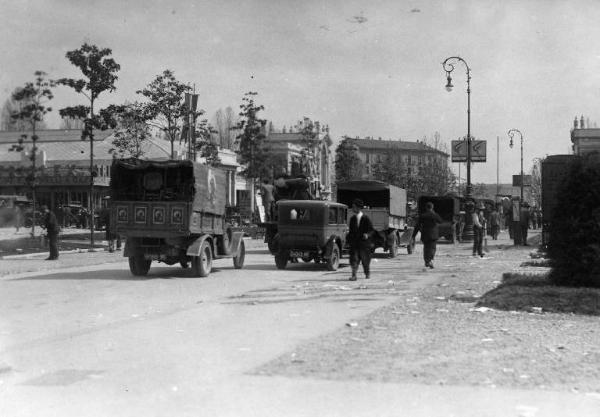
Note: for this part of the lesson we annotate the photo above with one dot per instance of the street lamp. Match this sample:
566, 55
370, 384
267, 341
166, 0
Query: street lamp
511, 133
448, 66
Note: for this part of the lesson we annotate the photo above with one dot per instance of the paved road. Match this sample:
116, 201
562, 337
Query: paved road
94, 341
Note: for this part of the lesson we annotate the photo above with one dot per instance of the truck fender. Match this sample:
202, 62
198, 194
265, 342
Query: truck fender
194, 248
333, 240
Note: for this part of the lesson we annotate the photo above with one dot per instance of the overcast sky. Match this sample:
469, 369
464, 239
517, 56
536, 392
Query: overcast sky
365, 68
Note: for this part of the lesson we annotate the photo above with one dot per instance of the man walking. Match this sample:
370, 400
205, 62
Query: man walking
524, 222
478, 226
428, 225
495, 223
52, 228
359, 239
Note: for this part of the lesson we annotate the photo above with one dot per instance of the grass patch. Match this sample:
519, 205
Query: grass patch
530, 292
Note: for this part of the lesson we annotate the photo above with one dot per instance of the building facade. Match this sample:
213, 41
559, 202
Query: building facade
416, 156
585, 139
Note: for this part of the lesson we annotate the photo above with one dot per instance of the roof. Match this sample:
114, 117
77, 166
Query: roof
53, 135
396, 144
310, 203
66, 147
363, 185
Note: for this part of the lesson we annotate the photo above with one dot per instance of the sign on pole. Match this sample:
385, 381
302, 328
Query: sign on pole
459, 151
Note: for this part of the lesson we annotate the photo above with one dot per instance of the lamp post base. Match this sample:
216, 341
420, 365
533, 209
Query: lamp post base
468, 233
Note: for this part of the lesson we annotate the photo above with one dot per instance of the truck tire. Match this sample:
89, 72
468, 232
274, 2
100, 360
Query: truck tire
138, 265
333, 262
238, 261
281, 259
202, 264
394, 245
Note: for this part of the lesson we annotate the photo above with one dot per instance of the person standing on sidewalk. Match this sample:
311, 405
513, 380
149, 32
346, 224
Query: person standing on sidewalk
524, 222
478, 225
495, 223
359, 239
51, 226
428, 225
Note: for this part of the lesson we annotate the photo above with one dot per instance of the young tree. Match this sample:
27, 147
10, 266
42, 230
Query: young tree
310, 140
166, 105
348, 165
32, 102
253, 149
132, 130
100, 75
204, 144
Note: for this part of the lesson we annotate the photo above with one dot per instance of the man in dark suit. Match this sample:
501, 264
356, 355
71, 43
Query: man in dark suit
359, 239
428, 225
52, 228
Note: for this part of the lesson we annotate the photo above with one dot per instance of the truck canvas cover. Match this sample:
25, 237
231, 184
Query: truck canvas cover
375, 194
141, 180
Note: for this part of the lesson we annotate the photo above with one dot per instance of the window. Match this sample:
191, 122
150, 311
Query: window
341, 216
333, 214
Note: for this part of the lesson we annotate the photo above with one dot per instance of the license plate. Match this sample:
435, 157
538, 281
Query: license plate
298, 254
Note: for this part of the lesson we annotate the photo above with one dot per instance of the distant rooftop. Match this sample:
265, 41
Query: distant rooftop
382, 144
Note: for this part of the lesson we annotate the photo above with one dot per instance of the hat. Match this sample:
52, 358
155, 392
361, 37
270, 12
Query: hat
358, 203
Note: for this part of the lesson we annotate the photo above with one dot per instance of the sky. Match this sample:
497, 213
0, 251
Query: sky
364, 68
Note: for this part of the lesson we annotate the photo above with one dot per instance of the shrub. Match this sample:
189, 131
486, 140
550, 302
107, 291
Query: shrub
574, 241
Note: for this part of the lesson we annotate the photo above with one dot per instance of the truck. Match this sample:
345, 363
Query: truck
172, 212
448, 207
386, 206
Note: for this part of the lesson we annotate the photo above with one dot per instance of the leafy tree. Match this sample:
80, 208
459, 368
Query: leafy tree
204, 143
32, 101
391, 168
348, 165
100, 74
536, 182
132, 130
253, 149
573, 244
166, 106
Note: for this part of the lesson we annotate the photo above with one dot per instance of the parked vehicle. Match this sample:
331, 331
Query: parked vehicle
386, 206
448, 207
299, 188
172, 212
311, 230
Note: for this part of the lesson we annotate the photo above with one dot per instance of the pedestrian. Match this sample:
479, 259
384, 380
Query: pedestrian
360, 239
51, 226
266, 191
478, 226
524, 222
428, 225
495, 223
18, 216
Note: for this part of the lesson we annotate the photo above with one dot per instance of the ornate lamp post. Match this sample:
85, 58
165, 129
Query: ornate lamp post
511, 133
448, 66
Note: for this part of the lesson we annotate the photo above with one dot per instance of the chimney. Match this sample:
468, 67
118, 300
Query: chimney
575, 123
318, 127
581, 123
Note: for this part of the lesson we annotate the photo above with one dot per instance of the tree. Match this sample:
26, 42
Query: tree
32, 100
348, 165
310, 140
100, 72
166, 105
536, 183
204, 143
391, 168
7, 122
251, 139
225, 123
132, 130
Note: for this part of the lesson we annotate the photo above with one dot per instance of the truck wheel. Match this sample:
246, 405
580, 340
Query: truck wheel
138, 265
334, 259
202, 264
281, 259
394, 246
238, 261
